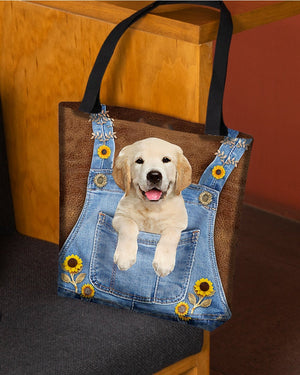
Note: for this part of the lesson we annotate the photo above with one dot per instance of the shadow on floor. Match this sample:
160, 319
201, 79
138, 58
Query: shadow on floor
262, 338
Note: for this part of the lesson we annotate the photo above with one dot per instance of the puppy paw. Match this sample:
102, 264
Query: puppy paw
124, 260
163, 266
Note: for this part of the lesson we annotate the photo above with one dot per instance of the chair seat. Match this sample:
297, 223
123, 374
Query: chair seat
41, 333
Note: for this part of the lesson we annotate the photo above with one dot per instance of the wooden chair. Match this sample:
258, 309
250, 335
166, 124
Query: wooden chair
197, 364
48, 49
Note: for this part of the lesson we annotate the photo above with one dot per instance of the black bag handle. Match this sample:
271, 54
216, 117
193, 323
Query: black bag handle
214, 118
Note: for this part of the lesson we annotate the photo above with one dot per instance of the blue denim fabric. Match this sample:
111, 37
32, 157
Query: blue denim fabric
94, 241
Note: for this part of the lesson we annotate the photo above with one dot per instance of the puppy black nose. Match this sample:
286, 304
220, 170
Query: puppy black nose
154, 177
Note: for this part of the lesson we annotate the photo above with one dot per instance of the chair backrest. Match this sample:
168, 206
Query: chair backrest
7, 224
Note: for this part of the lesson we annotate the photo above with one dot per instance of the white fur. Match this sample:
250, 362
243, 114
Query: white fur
167, 217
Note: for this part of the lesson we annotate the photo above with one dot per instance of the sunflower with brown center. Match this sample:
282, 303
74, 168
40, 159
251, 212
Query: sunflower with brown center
104, 152
218, 172
203, 287
72, 263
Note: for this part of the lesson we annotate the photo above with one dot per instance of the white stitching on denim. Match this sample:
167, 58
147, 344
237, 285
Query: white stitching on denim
232, 161
132, 304
101, 118
191, 238
226, 159
156, 288
187, 274
242, 143
104, 137
229, 141
221, 155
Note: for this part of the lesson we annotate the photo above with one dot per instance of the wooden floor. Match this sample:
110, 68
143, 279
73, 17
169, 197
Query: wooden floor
262, 338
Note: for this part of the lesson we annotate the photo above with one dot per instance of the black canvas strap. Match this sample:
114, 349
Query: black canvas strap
214, 118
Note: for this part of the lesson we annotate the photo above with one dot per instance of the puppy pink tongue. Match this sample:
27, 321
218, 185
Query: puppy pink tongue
153, 195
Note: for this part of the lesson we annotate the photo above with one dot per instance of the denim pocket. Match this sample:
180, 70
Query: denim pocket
140, 283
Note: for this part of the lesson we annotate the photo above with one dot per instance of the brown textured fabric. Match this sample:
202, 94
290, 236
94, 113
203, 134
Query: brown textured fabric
76, 147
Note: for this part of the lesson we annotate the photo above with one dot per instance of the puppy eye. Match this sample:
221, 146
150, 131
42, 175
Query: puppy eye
166, 160
139, 161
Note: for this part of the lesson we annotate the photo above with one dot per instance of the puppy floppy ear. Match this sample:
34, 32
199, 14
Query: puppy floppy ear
121, 171
184, 174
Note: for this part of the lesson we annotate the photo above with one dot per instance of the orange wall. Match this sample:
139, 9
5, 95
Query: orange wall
262, 98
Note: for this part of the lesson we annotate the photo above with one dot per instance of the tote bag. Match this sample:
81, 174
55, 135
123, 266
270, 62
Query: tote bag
197, 291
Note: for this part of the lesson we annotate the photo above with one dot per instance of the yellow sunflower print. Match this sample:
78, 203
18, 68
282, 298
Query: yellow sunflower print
87, 291
104, 152
218, 172
72, 263
203, 287
181, 309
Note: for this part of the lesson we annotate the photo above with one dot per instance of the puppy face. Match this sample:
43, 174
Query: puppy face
153, 169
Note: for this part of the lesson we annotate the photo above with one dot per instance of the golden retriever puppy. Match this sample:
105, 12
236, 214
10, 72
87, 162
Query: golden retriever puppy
152, 172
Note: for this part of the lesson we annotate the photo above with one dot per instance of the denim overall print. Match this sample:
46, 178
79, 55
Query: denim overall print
192, 292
